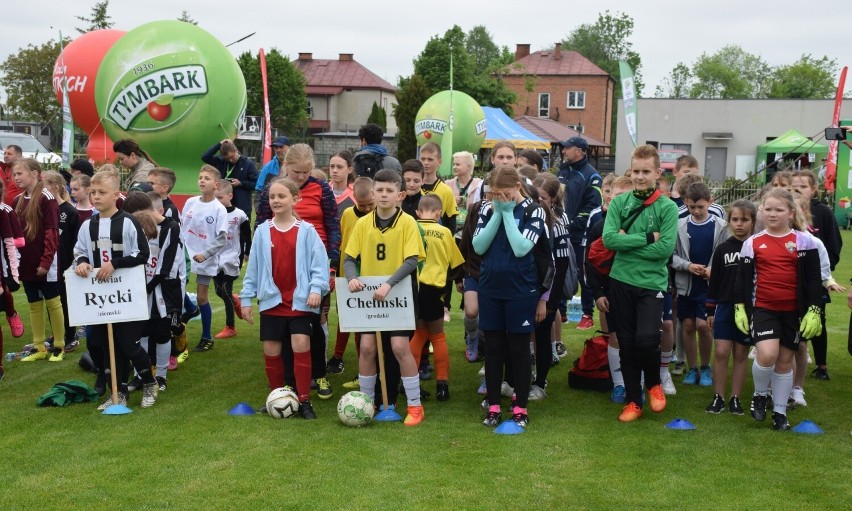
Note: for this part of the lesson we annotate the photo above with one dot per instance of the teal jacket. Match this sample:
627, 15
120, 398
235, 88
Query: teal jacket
639, 260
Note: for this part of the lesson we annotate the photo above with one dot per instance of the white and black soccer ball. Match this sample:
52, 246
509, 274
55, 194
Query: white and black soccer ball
282, 403
355, 409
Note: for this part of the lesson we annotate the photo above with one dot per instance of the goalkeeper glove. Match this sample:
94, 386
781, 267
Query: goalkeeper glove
811, 325
741, 318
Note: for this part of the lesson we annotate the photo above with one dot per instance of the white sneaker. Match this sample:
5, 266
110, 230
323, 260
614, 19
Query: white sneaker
506, 390
752, 353
537, 393
668, 385
798, 396
149, 394
482, 372
122, 400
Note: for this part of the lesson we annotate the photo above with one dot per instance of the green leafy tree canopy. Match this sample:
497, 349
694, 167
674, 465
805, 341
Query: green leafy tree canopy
28, 81
98, 19
411, 93
808, 77
288, 103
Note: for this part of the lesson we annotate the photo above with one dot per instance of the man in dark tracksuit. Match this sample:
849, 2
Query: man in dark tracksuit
582, 194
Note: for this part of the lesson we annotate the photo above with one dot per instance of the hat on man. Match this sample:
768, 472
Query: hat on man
280, 142
578, 142
83, 166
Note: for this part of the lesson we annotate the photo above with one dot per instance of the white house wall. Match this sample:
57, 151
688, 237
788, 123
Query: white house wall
683, 121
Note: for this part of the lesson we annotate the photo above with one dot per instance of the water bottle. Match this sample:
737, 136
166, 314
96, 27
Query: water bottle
12, 355
575, 310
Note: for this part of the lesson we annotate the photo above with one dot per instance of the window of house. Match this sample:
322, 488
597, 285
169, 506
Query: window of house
544, 104
576, 127
576, 99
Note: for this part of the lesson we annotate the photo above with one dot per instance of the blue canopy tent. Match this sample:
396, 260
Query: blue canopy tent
502, 127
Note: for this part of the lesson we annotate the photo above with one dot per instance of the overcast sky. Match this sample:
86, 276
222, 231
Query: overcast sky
386, 35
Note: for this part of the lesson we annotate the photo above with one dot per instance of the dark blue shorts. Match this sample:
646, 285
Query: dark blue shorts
667, 306
690, 308
515, 316
724, 327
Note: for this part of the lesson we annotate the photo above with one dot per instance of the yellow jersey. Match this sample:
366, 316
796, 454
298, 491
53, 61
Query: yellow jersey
348, 219
442, 253
382, 251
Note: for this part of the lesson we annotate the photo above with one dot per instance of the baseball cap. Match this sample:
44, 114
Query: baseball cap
280, 142
578, 142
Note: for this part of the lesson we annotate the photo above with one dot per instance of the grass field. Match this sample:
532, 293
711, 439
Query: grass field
188, 453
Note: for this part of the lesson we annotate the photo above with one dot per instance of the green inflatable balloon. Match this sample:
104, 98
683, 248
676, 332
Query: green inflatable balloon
468, 126
174, 89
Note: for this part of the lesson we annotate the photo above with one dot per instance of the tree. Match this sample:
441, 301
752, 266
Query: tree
98, 20
411, 93
433, 65
184, 16
806, 78
730, 73
481, 49
605, 42
677, 85
378, 116
28, 81
288, 103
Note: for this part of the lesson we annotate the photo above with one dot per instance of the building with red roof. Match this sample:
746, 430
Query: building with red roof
565, 87
341, 93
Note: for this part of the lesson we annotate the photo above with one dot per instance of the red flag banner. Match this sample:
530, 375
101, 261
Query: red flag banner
831, 164
267, 134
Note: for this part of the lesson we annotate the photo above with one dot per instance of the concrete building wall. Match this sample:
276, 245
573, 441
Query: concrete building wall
691, 122
349, 109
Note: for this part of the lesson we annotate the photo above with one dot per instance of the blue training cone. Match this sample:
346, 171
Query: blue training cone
679, 423
242, 408
116, 409
509, 427
808, 428
387, 414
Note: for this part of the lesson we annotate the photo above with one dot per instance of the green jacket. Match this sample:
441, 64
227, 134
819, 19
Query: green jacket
639, 260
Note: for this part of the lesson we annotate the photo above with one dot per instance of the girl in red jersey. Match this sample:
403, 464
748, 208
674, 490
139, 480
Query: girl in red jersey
13, 239
80, 185
288, 273
340, 178
779, 283
38, 213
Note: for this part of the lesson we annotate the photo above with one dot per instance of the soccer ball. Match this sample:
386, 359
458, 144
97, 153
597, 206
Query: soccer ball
355, 409
282, 403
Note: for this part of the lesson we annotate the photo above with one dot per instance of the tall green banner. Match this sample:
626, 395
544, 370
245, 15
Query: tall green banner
628, 94
843, 190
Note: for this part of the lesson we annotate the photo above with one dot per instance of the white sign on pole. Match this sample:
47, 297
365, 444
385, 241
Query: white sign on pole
359, 312
120, 298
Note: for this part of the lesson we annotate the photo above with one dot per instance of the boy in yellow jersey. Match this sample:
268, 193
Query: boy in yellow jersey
442, 254
430, 157
386, 242
362, 190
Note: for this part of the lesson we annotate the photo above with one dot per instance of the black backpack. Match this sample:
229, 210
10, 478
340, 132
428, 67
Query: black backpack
367, 163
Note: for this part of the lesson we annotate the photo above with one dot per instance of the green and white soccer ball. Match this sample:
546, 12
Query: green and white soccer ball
355, 409
282, 403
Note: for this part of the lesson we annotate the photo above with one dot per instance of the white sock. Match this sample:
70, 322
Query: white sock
163, 353
762, 376
612, 354
471, 326
782, 384
368, 385
412, 389
665, 360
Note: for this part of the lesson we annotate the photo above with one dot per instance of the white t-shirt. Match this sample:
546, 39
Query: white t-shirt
201, 223
229, 256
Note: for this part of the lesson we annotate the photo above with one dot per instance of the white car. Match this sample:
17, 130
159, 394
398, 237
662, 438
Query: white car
30, 146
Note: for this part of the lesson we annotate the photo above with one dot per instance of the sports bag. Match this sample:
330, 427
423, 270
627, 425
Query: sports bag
591, 369
367, 163
602, 257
